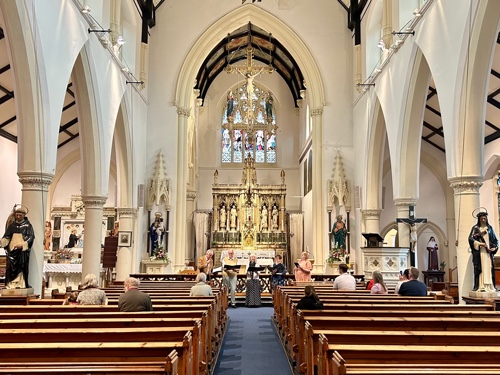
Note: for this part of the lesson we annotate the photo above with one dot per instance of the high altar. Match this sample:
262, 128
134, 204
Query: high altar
248, 217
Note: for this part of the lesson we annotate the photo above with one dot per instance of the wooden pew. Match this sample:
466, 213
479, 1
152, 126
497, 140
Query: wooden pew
334, 358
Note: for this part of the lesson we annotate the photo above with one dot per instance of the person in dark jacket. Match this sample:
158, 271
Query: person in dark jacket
310, 301
133, 299
413, 287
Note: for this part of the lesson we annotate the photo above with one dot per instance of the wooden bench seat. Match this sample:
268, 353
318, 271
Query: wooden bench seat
420, 368
129, 368
334, 357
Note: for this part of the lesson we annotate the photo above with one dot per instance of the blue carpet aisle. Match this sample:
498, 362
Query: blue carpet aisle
251, 345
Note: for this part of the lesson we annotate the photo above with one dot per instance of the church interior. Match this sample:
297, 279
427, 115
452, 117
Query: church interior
251, 126
127, 114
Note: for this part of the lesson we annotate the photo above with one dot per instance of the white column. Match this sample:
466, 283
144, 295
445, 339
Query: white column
466, 191
34, 197
125, 257
387, 23
371, 218
318, 213
91, 257
190, 234
179, 243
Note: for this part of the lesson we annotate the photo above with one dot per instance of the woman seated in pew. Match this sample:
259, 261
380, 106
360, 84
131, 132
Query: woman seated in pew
379, 286
310, 301
91, 294
71, 299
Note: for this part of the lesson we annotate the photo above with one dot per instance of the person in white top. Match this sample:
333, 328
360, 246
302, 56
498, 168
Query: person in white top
345, 281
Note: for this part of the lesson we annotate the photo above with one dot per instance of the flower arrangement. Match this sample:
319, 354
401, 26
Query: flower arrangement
64, 254
442, 265
160, 254
337, 254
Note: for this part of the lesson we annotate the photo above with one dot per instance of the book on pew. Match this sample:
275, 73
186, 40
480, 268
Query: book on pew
256, 269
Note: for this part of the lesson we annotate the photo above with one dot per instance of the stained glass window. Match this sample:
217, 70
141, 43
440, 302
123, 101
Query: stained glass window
248, 132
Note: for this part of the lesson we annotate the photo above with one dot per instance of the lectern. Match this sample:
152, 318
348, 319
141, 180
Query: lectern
373, 239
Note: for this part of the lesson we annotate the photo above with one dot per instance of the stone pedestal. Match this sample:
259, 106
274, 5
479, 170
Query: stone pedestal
16, 292
388, 260
483, 294
332, 268
155, 266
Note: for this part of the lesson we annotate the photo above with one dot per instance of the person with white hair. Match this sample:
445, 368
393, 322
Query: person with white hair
133, 299
201, 289
91, 294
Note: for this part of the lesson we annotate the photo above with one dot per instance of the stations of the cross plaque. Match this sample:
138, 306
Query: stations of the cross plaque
412, 222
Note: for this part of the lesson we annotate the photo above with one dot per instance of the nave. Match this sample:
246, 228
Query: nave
251, 345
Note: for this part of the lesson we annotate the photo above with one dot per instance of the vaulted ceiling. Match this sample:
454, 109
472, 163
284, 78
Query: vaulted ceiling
230, 50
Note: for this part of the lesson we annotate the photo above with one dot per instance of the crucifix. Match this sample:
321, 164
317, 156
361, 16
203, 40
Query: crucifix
249, 72
412, 222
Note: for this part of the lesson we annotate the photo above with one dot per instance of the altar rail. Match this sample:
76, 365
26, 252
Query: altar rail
241, 284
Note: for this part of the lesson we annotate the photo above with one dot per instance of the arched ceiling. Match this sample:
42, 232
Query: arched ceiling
266, 49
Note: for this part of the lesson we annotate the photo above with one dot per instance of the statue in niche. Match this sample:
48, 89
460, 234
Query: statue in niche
233, 216
222, 224
275, 217
263, 219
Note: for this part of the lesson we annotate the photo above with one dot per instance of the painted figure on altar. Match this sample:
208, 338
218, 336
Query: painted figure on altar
233, 215
47, 236
230, 103
432, 248
339, 231
17, 241
263, 218
73, 239
156, 232
269, 106
483, 243
275, 217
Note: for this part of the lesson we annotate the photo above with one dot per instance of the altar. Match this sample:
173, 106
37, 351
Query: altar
63, 275
248, 217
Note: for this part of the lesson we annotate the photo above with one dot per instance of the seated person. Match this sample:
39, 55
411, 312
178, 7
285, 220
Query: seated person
201, 289
379, 286
403, 278
413, 287
133, 299
345, 281
72, 299
310, 301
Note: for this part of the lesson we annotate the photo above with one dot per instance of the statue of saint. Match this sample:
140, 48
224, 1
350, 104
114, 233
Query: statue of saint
275, 217
233, 216
263, 219
222, 219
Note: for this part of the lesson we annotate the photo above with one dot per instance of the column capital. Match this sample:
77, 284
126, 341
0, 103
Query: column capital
402, 204
191, 195
94, 201
32, 180
317, 112
183, 111
371, 213
466, 185
126, 212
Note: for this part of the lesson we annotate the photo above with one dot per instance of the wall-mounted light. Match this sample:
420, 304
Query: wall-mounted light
99, 30
403, 32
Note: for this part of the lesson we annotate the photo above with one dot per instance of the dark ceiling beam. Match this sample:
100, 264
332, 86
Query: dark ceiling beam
5, 91
69, 91
494, 102
494, 93
73, 136
5, 69
433, 144
65, 127
434, 130
435, 111
8, 136
7, 122
68, 106
5, 98
433, 92
495, 73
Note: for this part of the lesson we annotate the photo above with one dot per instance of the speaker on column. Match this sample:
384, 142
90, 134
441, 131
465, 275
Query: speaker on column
140, 195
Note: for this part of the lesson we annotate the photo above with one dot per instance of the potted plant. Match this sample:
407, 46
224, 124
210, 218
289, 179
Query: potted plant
63, 255
442, 265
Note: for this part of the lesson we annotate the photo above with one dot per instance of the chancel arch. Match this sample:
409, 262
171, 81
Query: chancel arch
315, 92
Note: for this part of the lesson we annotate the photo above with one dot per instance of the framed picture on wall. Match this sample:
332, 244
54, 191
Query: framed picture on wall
124, 239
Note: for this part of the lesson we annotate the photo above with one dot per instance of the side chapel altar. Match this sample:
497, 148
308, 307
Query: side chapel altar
248, 217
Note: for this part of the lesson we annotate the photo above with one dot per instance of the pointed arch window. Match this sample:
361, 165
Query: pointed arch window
244, 138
